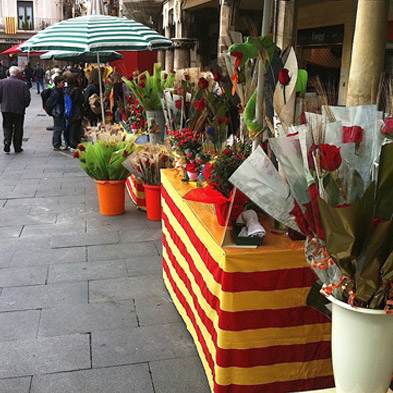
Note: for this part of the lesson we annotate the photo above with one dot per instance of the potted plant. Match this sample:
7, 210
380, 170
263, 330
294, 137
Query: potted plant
146, 164
148, 90
224, 166
103, 161
330, 189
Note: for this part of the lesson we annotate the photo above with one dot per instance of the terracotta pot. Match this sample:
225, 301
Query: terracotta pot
111, 197
153, 202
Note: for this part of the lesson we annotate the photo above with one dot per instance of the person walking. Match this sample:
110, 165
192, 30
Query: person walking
39, 74
14, 99
28, 73
92, 92
3, 70
55, 106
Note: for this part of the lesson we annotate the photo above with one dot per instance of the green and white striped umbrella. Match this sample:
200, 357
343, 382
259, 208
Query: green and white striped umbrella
81, 57
97, 33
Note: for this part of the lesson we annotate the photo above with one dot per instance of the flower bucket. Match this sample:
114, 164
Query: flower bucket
153, 202
111, 197
159, 119
362, 343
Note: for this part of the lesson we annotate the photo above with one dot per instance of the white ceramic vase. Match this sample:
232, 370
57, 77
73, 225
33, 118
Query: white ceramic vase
362, 349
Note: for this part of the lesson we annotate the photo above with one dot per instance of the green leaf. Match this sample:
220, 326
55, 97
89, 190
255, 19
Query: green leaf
301, 81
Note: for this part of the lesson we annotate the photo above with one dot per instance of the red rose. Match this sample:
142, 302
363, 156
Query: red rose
227, 152
142, 77
191, 167
283, 77
203, 83
216, 76
199, 105
141, 84
75, 154
125, 153
178, 104
352, 134
238, 56
81, 147
387, 128
330, 157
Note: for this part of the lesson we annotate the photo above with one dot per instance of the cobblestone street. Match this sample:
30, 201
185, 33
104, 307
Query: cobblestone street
82, 303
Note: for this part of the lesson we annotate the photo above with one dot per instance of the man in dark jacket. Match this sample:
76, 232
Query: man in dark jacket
55, 106
3, 70
39, 74
14, 99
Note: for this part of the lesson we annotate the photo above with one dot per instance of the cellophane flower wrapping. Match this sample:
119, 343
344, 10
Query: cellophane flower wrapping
334, 183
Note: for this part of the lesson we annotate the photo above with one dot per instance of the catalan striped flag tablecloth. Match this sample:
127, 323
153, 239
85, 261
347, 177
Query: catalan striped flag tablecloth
136, 192
245, 308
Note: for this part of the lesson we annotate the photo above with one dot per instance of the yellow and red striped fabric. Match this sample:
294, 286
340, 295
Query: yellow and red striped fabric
244, 308
136, 192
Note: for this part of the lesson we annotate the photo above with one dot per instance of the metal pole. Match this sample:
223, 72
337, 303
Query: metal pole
100, 89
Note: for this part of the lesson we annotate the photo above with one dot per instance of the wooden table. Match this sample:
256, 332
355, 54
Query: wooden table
245, 308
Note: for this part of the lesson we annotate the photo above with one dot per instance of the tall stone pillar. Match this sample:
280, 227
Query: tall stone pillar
286, 24
368, 51
169, 53
225, 22
182, 58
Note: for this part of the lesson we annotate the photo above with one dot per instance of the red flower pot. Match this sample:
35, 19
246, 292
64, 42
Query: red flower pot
153, 202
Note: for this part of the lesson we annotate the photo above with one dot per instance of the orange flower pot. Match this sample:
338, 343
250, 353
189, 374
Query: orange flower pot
111, 196
153, 202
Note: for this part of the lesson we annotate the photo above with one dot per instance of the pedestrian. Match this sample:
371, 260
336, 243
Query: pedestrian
3, 70
14, 99
91, 90
28, 73
74, 110
55, 106
39, 74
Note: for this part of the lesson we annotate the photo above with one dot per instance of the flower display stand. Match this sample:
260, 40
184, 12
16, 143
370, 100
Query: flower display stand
244, 308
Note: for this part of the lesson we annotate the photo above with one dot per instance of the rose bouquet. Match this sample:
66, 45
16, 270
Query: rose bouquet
146, 163
335, 186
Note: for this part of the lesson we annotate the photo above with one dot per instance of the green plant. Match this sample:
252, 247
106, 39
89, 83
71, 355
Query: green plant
148, 89
103, 159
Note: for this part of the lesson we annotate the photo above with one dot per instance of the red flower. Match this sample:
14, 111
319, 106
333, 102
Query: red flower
387, 128
207, 171
81, 147
227, 120
75, 154
203, 83
227, 152
330, 157
125, 153
216, 76
199, 105
142, 84
283, 77
352, 134
142, 77
178, 104
192, 167
239, 56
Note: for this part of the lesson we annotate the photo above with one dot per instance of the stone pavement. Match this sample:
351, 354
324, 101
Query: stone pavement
82, 304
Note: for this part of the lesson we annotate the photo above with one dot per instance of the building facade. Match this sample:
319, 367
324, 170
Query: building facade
20, 20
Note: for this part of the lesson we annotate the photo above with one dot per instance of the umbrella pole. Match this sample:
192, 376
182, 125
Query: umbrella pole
100, 88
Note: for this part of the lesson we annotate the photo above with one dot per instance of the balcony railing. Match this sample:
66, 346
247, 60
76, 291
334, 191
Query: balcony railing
33, 26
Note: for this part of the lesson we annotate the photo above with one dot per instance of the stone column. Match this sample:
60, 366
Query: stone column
286, 24
182, 47
225, 22
169, 53
368, 51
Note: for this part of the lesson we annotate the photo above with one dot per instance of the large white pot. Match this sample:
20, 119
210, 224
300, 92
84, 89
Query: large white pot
362, 349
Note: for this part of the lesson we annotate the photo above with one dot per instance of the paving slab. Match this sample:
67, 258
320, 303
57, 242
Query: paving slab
126, 379
85, 239
43, 296
44, 355
86, 271
137, 235
119, 347
121, 251
15, 277
50, 229
113, 290
20, 325
140, 266
85, 318
15, 385
156, 310
179, 376
34, 257
10, 231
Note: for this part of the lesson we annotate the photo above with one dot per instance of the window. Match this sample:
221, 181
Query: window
25, 15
